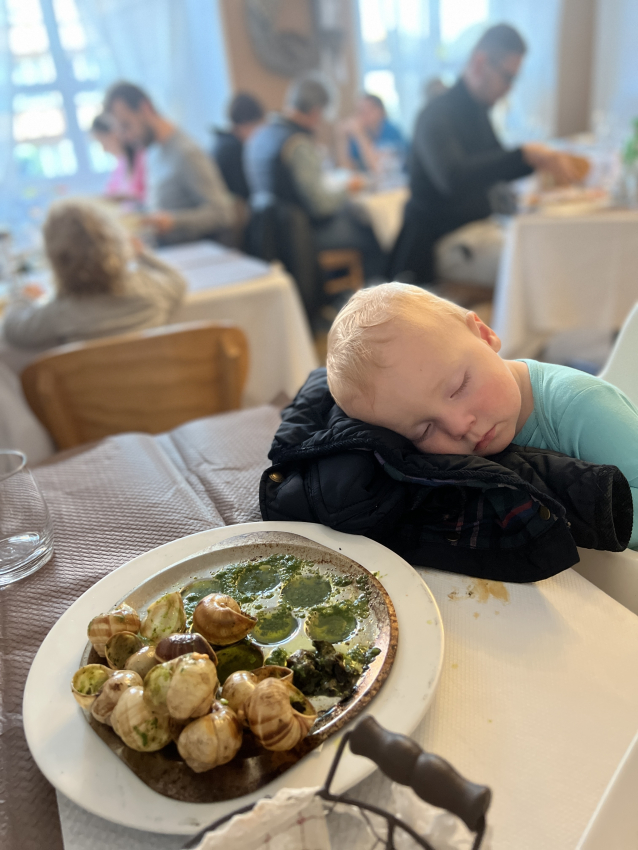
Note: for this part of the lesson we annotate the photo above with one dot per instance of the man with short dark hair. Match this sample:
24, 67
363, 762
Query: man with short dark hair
282, 161
187, 196
246, 115
456, 157
368, 140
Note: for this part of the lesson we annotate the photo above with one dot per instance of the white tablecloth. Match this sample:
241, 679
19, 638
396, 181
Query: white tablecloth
559, 274
385, 212
261, 299
538, 698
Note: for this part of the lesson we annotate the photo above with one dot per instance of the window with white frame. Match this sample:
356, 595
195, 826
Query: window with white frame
55, 92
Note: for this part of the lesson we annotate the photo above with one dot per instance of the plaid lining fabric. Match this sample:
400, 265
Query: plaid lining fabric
515, 512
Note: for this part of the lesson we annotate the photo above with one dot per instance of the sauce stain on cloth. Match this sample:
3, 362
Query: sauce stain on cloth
481, 589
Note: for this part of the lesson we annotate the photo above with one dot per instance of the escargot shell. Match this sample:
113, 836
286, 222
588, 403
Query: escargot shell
111, 692
164, 617
87, 683
120, 647
240, 685
192, 688
182, 688
142, 661
220, 620
273, 718
104, 626
175, 645
136, 724
211, 740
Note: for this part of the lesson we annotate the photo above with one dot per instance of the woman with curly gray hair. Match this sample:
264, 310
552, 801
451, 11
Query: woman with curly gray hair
103, 284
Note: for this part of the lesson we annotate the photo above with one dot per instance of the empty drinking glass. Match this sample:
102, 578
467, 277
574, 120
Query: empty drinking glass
26, 535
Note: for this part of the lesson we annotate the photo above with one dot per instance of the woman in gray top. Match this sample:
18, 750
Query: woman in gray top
104, 284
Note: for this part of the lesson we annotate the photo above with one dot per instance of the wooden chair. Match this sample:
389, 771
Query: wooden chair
149, 381
343, 260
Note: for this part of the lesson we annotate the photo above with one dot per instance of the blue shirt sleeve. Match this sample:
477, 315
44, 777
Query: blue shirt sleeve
596, 422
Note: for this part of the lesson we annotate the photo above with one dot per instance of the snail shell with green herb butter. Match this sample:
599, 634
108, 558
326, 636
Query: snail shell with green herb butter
104, 626
220, 620
142, 661
164, 617
239, 686
278, 714
87, 683
211, 740
136, 724
111, 692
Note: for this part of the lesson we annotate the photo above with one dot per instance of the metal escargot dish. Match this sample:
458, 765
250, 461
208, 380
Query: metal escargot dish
219, 673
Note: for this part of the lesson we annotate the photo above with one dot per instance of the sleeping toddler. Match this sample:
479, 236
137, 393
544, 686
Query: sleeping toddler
402, 358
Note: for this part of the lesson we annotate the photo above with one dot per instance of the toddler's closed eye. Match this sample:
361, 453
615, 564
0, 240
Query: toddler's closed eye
466, 379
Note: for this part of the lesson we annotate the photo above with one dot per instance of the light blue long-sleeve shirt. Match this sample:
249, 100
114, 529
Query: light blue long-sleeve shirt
583, 417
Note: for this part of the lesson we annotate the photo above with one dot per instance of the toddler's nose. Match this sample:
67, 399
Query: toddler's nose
460, 426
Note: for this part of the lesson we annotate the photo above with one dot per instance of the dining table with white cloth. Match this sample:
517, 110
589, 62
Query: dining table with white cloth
384, 210
223, 285
262, 300
564, 273
537, 697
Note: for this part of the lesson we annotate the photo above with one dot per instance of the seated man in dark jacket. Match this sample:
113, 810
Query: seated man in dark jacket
283, 161
246, 115
456, 157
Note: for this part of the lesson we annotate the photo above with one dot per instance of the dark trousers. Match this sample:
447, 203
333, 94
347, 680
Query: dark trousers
412, 258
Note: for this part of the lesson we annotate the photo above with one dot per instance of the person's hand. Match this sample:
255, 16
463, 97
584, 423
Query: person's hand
32, 291
563, 167
161, 221
356, 183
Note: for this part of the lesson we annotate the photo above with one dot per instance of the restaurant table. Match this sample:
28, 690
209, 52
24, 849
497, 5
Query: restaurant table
384, 209
538, 696
261, 298
565, 273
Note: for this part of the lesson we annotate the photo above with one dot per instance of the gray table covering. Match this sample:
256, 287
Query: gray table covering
110, 502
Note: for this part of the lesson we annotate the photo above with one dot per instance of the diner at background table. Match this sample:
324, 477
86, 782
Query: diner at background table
536, 696
225, 285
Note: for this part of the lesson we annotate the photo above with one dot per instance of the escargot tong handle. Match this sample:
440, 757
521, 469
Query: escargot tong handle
429, 776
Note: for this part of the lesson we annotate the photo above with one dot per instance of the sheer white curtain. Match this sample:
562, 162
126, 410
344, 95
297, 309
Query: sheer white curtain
615, 90
172, 48
406, 42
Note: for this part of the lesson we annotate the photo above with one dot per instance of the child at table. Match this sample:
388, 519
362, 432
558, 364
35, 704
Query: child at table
105, 282
404, 359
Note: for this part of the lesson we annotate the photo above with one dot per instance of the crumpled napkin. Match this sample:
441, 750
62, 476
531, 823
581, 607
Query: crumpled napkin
294, 819
442, 830
291, 820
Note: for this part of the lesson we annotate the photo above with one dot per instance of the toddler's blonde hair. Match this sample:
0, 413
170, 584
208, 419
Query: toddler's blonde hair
87, 247
369, 320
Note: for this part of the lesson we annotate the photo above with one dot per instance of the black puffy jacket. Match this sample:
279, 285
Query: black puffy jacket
515, 516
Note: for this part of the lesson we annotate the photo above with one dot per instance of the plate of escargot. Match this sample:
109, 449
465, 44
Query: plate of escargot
218, 674
220, 667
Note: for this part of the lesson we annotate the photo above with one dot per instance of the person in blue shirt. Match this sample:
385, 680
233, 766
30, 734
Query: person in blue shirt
367, 140
402, 358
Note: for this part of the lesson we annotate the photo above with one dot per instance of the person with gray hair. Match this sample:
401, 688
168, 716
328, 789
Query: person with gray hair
456, 160
282, 161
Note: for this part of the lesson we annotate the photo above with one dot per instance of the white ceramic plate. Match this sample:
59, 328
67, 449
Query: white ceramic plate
81, 766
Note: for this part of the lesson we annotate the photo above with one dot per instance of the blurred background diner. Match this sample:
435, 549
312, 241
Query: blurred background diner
256, 162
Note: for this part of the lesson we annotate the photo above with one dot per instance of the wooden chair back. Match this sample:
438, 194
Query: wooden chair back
345, 260
148, 381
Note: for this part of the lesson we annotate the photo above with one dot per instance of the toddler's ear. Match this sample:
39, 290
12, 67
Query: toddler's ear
480, 329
